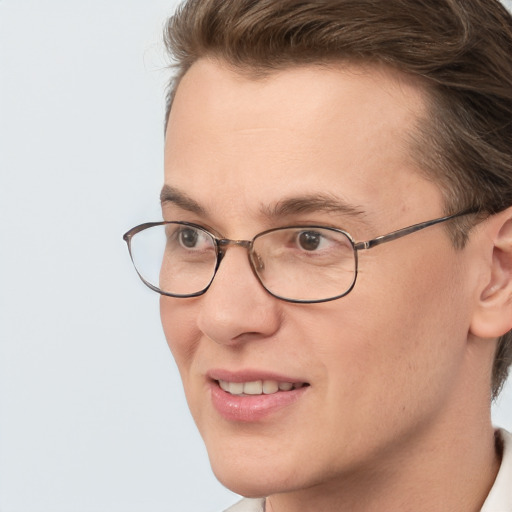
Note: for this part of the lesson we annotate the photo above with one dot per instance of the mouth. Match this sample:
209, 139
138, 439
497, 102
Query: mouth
258, 387
243, 397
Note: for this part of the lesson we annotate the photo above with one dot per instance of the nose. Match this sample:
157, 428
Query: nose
236, 308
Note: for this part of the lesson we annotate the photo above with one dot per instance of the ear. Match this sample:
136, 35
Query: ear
493, 314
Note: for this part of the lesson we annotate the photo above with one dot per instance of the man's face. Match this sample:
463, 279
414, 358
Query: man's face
381, 367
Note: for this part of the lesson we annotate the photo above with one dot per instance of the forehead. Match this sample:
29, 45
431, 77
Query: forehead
235, 138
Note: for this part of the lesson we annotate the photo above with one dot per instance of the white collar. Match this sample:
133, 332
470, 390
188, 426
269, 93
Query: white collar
248, 505
500, 497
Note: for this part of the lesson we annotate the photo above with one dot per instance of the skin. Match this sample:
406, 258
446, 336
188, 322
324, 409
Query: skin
396, 415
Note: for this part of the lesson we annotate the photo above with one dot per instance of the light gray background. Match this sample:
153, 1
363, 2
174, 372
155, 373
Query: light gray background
92, 416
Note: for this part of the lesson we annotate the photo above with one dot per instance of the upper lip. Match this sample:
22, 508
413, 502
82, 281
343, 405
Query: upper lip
251, 375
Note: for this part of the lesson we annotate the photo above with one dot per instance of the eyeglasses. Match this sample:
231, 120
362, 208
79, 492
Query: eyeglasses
304, 264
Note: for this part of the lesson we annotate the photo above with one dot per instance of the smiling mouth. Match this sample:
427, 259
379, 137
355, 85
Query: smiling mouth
258, 387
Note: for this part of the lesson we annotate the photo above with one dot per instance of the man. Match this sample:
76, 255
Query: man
360, 153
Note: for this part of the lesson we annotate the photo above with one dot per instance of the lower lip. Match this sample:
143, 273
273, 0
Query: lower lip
251, 408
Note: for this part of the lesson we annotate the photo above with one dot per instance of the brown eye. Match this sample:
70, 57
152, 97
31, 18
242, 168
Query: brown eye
188, 238
309, 240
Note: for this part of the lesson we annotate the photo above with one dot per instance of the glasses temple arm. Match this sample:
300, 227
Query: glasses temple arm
399, 233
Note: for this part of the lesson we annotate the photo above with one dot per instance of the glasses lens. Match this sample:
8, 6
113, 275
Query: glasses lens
175, 258
305, 263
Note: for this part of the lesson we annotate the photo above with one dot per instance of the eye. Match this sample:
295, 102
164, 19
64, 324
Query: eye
310, 240
188, 237
192, 238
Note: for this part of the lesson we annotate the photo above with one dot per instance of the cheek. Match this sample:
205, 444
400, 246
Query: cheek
180, 331
418, 288
401, 340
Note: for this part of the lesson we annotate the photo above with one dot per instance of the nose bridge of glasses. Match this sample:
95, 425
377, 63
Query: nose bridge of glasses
224, 242
254, 258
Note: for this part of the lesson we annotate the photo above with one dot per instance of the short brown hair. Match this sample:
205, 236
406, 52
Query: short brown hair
462, 50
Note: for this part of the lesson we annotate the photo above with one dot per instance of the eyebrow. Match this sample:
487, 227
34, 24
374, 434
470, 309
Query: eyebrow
309, 203
173, 195
313, 203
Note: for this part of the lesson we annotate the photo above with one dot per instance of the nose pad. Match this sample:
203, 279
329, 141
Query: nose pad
220, 256
257, 261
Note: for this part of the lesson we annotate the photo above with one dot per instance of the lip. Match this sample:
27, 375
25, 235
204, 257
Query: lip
251, 375
251, 408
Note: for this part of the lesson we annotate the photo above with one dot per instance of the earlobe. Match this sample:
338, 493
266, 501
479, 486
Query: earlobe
493, 315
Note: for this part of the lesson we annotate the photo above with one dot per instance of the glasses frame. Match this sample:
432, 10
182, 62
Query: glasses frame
222, 243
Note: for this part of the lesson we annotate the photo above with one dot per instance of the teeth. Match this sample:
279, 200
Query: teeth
236, 388
253, 388
224, 385
270, 386
257, 387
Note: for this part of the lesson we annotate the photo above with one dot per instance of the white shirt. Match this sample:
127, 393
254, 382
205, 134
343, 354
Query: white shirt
248, 505
498, 500
500, 497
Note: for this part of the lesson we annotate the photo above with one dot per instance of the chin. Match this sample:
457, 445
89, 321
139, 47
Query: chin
249, 485
254, 476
